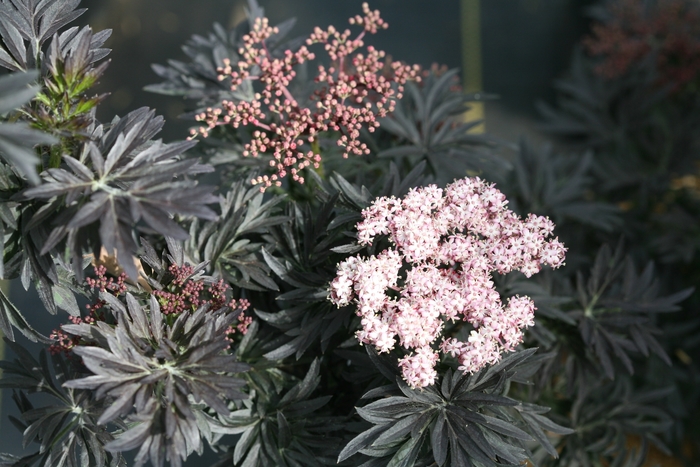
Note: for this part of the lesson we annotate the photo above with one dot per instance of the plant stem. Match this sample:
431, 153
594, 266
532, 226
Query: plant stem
55, 157
316, 148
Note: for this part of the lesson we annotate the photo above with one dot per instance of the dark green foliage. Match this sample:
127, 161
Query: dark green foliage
64, 106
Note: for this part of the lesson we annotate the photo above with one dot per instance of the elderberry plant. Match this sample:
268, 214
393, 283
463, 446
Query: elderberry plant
348, 295
629, 100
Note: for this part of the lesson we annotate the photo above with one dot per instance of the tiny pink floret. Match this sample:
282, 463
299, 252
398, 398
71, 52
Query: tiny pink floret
449, 242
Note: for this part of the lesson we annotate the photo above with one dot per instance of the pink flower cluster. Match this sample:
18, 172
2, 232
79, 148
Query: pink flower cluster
352, 93
448, 242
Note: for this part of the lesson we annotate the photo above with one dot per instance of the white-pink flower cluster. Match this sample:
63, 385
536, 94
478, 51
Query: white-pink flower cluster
446, 245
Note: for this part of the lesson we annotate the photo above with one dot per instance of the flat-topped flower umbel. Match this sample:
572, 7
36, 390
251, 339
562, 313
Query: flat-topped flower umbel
449, 241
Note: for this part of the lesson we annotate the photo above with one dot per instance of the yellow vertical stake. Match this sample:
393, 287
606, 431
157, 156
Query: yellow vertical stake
471, 59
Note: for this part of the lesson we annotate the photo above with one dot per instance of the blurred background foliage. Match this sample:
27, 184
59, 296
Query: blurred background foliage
525, 44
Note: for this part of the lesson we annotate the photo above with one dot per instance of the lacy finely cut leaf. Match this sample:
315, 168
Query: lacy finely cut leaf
467, 420
65, 105
558, 185
607, 413
151, 370
18, 139
26, 24
428, 124
285, 427
11, 316
614, 310
200, 79
234, 243
66, 428
123, 179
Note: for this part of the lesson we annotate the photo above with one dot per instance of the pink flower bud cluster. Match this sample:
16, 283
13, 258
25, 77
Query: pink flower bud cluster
446, 245
64, 342
371, 20
244, 321
351, 94
103, 283
184, 292
187, 293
